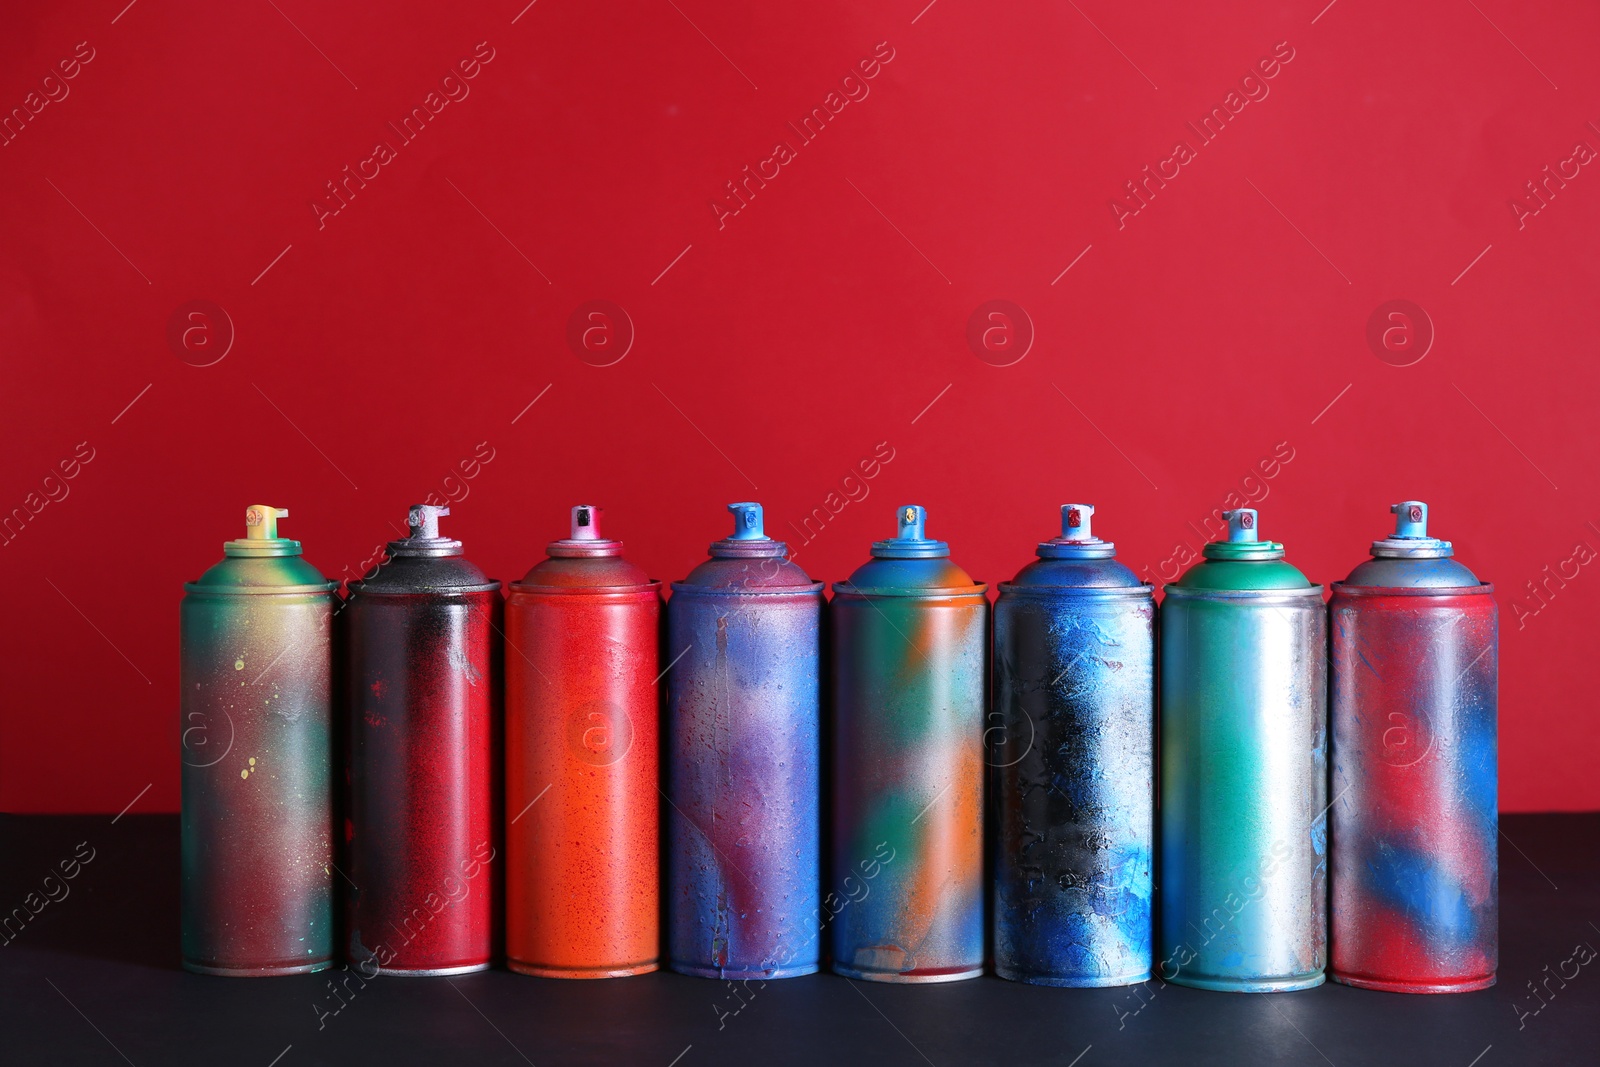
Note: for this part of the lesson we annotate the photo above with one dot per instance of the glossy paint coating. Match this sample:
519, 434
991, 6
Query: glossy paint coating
905, 893
256, 741
582, 733
1243, 870
1072, 737
744, 862
421, 667
1414, 829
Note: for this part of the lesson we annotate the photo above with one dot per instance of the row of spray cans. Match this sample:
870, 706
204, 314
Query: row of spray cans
911, 760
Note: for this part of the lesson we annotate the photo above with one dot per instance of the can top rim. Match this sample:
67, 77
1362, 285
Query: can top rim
577, 548
537, 588
1412, 548
975, 589
359, 585
257, 590
1481, 589
1171, 589
1143, 589
696, 589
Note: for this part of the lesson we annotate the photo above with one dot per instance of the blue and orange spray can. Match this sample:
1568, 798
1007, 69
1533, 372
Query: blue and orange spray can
257, 733
906, 888
421, 672
1243, 803
1072, 747
744, 748
1414, 822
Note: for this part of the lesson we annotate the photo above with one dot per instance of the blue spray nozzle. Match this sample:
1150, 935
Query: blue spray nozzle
1075, 522
1411, 539
424, 520
1077, 540
747, 522
912, 541
913, 517
1241, 524
1410, 518
1244, 539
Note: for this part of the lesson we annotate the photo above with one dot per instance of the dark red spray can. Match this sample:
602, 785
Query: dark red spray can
421, 674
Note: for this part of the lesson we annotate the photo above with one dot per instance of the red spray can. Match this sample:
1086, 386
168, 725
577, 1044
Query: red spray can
582, 722
1413, 832
421, 675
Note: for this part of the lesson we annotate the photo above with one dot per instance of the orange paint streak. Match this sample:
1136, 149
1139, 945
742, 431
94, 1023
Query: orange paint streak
950, 854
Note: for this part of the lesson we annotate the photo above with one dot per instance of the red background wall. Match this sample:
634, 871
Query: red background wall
376, 349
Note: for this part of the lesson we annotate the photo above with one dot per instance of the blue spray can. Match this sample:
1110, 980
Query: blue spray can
744, 719
1072, 744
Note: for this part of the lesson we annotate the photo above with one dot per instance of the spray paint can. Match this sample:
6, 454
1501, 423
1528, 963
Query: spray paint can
257, 821
1243, 770
582, 728
1414, 824
910, 633
1072, 741
744, 719
421, 674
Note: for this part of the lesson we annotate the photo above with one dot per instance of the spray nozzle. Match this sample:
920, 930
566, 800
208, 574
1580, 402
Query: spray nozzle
749, 538
1411, 518
261, 534
261, 522
747, 522
586, 540
913, 517
423, 538
1410, 539
1244, 539
1075, 519
586, 523
1241, 524
1077, 540
912, 542
424, 521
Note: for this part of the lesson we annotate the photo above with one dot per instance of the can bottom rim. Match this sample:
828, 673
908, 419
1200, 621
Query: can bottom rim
257, 972
431, 972
1250, 985
626, 970
1063, 981
738, 975
1385, 985
895, 977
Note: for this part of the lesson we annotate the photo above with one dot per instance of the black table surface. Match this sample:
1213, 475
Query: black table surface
93, 978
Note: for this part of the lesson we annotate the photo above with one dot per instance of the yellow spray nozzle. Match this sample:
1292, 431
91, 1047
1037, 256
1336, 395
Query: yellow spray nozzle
261, 522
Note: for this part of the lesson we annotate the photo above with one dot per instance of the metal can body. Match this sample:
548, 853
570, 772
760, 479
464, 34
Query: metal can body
1243, 788
1074, 701
582, 810
257, 817
744, 714
421, 670
1413, 830
906, 899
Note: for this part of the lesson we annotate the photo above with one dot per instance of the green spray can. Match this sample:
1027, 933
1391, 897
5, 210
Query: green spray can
1243, 876
257, 734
